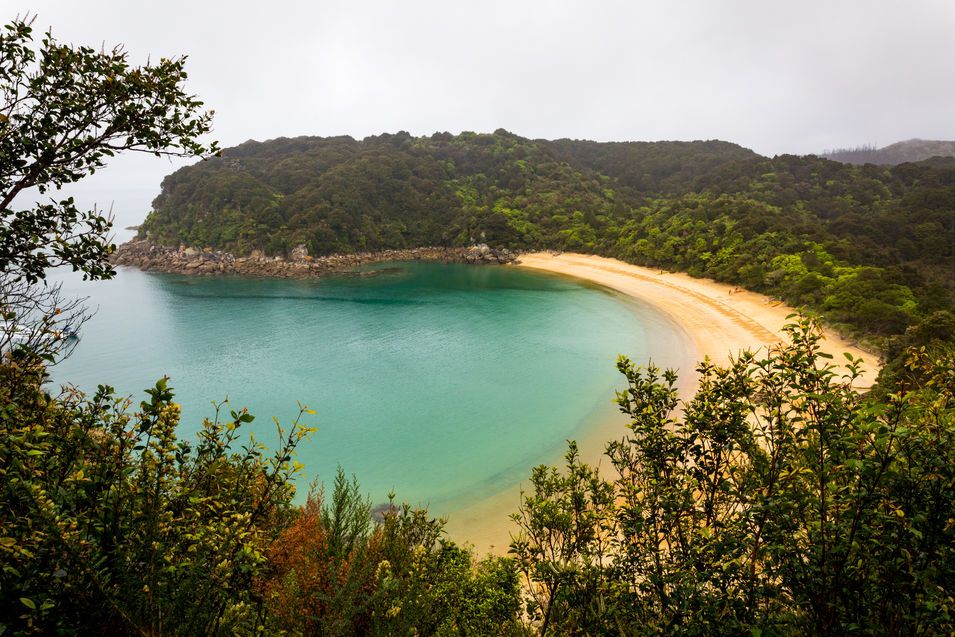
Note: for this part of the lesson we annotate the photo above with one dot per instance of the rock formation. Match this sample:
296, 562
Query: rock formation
149, 256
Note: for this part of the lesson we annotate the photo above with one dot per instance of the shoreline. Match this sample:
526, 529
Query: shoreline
719, 318
712, 321
153, 257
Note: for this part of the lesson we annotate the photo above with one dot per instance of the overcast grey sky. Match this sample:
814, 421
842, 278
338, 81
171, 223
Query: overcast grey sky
775, 76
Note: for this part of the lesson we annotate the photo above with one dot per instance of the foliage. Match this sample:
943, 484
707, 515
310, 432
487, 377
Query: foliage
779, 502
109, 520
337, 573
64, 110
934, 335
562, 549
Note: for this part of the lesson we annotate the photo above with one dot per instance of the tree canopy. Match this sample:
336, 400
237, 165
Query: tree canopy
64, 110
776, 501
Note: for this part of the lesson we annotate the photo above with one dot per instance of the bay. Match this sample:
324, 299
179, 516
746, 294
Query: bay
440, 383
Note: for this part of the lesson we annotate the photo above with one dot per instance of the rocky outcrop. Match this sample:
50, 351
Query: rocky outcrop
298, 254
150, 256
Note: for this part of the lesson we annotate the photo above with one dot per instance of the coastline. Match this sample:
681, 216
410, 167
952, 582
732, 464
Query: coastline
711, 319
714, 323
720, 319
153, 257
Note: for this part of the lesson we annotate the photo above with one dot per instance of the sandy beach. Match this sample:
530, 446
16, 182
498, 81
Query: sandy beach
719, 321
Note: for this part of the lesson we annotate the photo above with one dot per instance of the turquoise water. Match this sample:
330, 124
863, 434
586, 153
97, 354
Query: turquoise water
440, 382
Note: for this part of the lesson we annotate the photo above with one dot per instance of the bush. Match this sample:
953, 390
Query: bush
779, 502
107, 520
338, 573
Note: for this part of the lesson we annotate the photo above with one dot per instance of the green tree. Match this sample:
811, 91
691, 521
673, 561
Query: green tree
64, 111
109, 522
777, 501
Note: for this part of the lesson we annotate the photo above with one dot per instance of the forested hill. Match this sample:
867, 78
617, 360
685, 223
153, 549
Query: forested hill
870, 246
897, 153
392, 191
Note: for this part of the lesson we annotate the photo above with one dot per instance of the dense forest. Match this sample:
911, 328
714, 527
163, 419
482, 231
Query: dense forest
870, 247
911, 150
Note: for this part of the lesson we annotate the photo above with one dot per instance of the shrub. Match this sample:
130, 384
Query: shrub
107, 520
777, 501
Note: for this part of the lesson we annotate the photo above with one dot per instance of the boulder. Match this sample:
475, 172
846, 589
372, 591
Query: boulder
298, 254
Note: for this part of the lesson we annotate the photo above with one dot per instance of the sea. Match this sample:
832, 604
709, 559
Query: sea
438, 383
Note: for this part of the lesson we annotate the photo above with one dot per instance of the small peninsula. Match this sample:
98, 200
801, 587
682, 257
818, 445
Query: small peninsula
149, 256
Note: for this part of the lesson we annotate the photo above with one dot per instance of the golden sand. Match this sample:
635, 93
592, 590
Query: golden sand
719, 321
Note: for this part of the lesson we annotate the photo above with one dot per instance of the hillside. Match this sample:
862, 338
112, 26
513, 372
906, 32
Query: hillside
869, 246
394, 191
912, 150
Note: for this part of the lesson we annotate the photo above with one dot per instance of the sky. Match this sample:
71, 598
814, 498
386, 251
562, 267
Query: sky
777, 77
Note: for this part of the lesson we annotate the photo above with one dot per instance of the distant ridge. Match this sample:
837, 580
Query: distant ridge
911, 150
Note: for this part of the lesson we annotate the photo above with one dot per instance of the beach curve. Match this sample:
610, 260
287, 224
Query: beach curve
722, 320
718, 320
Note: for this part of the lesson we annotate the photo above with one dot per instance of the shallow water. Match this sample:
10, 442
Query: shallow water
443, 383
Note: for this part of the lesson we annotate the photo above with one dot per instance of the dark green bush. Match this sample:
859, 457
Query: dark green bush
778, 501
